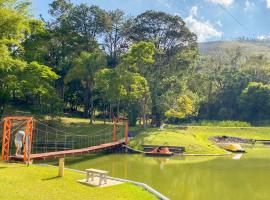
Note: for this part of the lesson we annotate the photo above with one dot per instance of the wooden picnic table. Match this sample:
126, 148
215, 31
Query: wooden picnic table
100, 173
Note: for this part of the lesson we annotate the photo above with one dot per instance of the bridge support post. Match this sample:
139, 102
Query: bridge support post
126, 133
6, 139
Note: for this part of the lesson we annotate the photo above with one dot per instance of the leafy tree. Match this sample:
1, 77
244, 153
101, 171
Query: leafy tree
85, 68
114, 40
255, 101
19, 77
184, 107
87, 23
176, 52
139, 94
138, 59
111, 88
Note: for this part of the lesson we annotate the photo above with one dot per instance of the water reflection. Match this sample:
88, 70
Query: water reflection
193, 178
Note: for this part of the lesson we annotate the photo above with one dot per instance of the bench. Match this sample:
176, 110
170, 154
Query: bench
100, 173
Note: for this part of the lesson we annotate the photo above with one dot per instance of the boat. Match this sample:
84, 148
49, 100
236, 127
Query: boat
159, 151
235, 148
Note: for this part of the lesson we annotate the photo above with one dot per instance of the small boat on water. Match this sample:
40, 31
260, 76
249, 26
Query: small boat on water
159, 151
232, 147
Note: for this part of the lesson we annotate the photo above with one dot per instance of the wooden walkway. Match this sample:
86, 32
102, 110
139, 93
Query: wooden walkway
58, 154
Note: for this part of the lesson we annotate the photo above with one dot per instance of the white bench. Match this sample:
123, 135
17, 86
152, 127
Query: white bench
100, 173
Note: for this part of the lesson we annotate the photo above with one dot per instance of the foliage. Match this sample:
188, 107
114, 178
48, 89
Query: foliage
146, 66
85, 68
175, 54
255, 101
183, 108
21, 78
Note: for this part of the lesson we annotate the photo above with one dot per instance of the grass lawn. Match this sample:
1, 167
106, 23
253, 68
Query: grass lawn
195, 138
18, 181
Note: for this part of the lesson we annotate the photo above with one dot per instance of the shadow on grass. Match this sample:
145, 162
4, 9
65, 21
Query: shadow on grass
51, 178
3, 167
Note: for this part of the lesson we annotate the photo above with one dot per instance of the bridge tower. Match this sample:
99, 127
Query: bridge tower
7, 131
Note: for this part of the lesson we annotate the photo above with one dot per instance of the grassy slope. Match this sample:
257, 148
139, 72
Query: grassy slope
248, 47
35, 182
195, 138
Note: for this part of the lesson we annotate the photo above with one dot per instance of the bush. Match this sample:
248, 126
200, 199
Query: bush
226, 123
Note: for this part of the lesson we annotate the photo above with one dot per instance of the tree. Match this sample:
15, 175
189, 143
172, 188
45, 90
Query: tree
17, 75
175, 55
114, 42
139, 57
87, 23
255, 102
184, 107
85, 68
139, 92
111, 88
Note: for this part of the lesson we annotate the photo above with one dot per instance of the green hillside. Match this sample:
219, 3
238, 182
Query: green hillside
253, 47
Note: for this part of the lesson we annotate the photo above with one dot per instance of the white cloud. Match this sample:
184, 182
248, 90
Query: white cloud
263, 37
267, 3
223, 2
203, 29
194, 11
249, 5
219, 23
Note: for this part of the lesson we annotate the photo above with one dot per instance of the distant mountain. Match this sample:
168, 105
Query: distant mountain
250, 47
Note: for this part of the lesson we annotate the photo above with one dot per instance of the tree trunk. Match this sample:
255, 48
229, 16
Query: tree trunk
91, 109
118, 105
144, 117
86, 100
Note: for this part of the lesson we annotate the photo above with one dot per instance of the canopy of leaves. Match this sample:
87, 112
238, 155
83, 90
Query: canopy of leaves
184, 107
255, 101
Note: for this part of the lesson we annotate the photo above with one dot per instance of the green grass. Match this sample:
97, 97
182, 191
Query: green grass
224, 123
195, 138
18, 181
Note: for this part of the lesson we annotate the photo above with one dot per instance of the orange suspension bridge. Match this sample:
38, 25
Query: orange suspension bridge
44, 142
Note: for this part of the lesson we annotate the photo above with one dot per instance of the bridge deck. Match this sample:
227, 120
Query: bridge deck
76, 151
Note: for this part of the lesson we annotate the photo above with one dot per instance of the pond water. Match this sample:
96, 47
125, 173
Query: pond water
191, 178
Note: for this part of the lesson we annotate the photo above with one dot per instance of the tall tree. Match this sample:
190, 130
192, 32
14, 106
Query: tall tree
255, 101
138, 59
176, 51
115, 43
18, 75
85, 68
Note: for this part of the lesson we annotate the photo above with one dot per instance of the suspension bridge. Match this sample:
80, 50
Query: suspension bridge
46, 142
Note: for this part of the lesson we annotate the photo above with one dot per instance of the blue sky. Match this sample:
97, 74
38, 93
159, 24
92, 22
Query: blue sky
209, 19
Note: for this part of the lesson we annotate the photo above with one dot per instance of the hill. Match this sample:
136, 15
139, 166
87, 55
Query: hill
250, 47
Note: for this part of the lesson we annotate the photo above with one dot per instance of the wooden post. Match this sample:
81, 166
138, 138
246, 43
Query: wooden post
126, 133
61, 167
114, 131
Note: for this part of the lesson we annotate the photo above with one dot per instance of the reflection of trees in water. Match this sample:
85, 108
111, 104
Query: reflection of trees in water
221, 178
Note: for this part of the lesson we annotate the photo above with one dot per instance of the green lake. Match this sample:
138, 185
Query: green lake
191, 178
